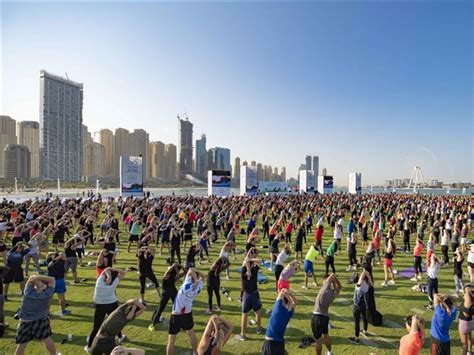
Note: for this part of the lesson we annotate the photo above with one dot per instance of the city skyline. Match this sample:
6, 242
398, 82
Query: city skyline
413, 84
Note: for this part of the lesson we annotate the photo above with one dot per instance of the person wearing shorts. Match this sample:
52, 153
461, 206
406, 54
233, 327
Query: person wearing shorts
283, 310
181, 314
34, 321
310, 258
14, 271
250, 295
56, 269
466, 324
444, 315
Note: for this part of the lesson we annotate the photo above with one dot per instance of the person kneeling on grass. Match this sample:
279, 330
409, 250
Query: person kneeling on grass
216, 334
283, 310
104, 342
34, 321
411, 343
308, 266
182, 312
444, 315
320, 322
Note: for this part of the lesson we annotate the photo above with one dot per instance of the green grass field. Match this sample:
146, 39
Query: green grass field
394, 302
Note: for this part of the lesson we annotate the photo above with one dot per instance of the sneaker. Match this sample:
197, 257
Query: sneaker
354, 340
365, 333
305, 287
241, 337
217, 309
391, 282
160, 320
122, 339
419, 277
259, 330
384, 284
315, 284
87, 349
349, 268
209, 311
414, 278
151, 328
66, 312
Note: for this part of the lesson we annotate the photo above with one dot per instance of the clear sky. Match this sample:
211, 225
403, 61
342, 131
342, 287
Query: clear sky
362, 85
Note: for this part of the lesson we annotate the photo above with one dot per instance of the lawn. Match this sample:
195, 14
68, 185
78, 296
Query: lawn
394, 302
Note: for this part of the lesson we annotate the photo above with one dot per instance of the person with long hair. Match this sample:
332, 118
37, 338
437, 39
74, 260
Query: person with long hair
417, 259
444, 315
412, 343
388, 263
352, 252
285, 305
288, 271
213, 283
359, 308
145, 257
56, 268
458, 260
215, 336
466, 324
280, 262
432, 271
168, 283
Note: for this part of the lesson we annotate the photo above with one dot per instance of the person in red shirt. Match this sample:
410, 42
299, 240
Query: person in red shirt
288, 230
411, 343
376, 246
318, 237
417, 260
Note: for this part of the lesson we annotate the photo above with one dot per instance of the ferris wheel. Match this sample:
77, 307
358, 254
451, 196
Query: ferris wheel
419, 162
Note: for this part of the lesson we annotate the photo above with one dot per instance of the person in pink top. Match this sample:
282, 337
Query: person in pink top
417, 260
288, 271
288, 231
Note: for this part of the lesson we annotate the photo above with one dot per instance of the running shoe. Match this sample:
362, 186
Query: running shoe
259, 330
151, 328
241, 337
354, 340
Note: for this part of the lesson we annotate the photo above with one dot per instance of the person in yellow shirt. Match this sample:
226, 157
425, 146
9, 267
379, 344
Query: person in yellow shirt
308, 266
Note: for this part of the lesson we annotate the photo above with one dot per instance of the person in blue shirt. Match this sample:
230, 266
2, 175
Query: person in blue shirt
350, 229
283, 310
444, 315
251, 225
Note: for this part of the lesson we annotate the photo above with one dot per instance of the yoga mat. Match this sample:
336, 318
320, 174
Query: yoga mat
408, 273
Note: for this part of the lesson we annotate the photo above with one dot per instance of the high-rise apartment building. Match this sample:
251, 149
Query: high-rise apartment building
16, 162
7, 136
107, 139
201, 157
315, 166
122, 147
236, 173
60, 128
259, 172
171, 162
220, 158
94, 157
283, 174
308, 162
158, 160
28, 135
139, 146
185, 146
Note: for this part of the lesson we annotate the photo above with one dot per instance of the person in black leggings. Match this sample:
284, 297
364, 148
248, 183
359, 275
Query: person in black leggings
145, 260
175, 246
214, 282
173, 273
105, 300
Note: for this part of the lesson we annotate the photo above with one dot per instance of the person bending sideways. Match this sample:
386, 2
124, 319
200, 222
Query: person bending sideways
320, 322
216, 334
283, 310
34, 321
411, 343
104, 342
182, 312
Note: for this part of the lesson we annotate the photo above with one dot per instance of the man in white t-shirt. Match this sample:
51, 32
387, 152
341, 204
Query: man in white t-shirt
181, 314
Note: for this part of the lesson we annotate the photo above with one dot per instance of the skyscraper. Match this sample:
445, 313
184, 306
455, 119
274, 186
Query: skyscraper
28, 135
201, 157
171, 162
94, 157
236, 174
259, 172
60, 128
283, 174
7, 136
16, 161
220, 158
122, 147
139, 146
107, 139
308, 162
315, 166
158, 160
185, 146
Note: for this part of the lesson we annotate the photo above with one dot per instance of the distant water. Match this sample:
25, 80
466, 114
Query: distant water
22, 196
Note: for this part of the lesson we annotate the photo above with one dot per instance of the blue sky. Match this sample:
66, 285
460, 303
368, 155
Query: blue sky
360, 84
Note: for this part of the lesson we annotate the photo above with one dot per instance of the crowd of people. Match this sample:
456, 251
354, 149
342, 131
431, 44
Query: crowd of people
56, 235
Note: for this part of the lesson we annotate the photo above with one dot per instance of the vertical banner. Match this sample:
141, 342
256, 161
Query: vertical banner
355, 183
218, 182
248, 180
131, 176
325, 184
307, 182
